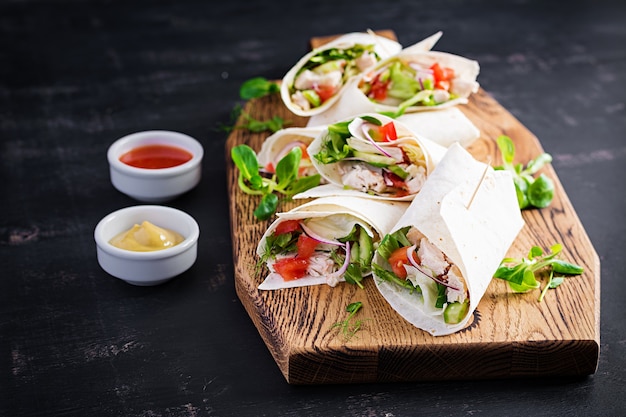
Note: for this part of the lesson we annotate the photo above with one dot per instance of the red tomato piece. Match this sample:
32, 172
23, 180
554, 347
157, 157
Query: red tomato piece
442, 74
397, 259
324, 91
306, 246
448, 73
443, 85
287, 226
305, 154
437, 71
378, 90
388, 132
270, 168
291, 268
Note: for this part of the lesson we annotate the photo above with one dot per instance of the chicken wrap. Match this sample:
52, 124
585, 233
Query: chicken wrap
373, 156
411, 81
279, 143
325, 241
445, 126
317, 80
436, 263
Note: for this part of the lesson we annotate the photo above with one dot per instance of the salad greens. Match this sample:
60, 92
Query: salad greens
285, 181
349, 327
394, 248
521, 274
332, 60
353, 255
531, 192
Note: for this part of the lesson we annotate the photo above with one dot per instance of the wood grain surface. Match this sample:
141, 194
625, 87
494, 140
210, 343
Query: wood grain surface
510, 336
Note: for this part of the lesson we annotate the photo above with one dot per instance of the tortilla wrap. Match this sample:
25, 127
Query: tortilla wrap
475, 239
383, 48
332, 218
346, 175
354, 99
444, 126
278, 144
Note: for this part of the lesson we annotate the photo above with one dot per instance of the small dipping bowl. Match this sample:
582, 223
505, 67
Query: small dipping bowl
147, 268
155, 185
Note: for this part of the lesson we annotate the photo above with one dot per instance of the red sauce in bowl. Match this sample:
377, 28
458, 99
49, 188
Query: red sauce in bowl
156, 156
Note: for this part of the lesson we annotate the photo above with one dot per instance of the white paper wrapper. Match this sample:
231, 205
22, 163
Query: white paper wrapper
384, 47
432, 152
376, 216
476, 239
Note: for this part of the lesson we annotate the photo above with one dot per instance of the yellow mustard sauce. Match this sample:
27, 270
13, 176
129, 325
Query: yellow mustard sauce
146, 237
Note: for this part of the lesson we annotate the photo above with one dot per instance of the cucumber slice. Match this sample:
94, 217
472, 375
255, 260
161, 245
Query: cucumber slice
374, 159
455, 312
366, 249
312, 97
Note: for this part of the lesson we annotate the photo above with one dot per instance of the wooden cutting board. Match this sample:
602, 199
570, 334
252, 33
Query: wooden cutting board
510, 336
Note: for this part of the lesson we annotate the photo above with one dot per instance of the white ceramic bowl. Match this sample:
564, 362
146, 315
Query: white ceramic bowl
155, 185
147, 268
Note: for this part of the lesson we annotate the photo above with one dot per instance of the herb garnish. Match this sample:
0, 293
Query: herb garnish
521, 273
531, 192
258, 87
255, 88
285, 181
348, 326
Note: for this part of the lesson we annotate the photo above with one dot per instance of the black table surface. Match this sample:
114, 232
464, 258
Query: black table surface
76, 75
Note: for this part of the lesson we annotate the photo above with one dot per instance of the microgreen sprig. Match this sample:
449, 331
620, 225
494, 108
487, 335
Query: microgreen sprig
285, 181
521, 273
350, 327
258, 87
531, 192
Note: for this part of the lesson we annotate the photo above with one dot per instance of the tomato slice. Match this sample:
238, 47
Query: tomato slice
306, 246
324, 91
443, 85
397, 259
270, 168
442, 76
388, 132
378, 89
287, 226
291, 268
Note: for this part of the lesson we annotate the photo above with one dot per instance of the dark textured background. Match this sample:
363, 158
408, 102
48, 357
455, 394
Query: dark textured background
76, 75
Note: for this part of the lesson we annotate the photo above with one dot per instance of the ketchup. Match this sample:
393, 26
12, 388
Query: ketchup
156, 156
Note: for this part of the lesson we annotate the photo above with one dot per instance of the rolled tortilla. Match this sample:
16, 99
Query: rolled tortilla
444, 126
393, 169
278, 144
417, 91
473, 240
329, 219
328, 81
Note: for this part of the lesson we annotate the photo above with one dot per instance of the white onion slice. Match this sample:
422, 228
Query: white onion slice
310, 233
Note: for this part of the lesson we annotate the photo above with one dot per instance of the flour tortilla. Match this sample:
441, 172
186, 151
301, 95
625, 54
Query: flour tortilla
384, 47
353, 101
475, 239
275, 146
378, 217
432, 151
444, 126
